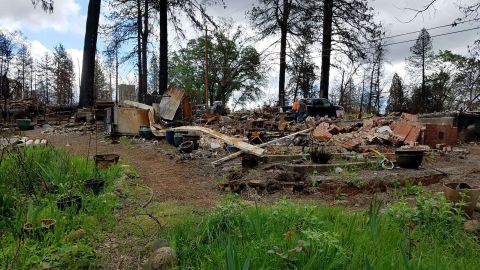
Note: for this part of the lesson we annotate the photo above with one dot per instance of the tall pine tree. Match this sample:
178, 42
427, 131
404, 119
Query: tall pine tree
396, 100
420, 60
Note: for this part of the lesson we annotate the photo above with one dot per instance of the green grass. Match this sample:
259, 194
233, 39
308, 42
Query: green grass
288, 235
31, 181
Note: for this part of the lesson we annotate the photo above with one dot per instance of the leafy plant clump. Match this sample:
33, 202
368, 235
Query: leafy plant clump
289, 235
32, 179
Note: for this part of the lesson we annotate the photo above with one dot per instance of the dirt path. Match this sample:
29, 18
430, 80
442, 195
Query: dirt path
171, 180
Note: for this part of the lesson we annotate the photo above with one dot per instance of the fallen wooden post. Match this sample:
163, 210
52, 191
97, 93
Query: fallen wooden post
252, 149
239, 153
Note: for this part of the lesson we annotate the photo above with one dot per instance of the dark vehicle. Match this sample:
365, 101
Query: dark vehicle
320, 107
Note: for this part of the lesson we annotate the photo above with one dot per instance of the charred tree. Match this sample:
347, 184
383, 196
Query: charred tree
89, 51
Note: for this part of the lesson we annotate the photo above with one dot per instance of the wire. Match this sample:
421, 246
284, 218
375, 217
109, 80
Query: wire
454, 24
438, 35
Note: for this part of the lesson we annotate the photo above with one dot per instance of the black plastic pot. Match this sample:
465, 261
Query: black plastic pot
194, 139
409, 158
320, 157
96, 185
186, 147
70, 201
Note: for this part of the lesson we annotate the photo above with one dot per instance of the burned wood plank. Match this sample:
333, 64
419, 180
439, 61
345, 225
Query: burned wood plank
252, 149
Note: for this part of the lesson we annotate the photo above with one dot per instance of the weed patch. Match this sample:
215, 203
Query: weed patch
290, 235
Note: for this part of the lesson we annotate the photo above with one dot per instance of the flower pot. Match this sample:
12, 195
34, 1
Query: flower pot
24, 124
28, 229
320, 156
48, 224
95, 185
194, 139
70, 201
458, 191
186, 147
105, 161
409, 158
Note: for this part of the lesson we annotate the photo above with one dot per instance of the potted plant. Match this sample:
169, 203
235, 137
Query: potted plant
96, 185
70, 201
319, 155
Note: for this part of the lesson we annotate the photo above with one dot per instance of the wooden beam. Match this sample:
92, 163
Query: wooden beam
239, 153
252, 149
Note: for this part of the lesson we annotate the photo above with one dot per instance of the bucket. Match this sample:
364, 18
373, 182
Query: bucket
96, 185
409, 158
105, 161
186, 147
24, 124
70, 201
177, 139
453, 192
193, 138
145, 132
169, 136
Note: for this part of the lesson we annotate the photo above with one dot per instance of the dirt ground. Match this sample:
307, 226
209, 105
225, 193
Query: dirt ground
185, 182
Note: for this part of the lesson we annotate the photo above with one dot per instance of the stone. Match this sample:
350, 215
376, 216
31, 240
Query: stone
338, 170
471, 226
164, 258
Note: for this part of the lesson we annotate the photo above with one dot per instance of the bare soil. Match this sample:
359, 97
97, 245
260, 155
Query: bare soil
186, 182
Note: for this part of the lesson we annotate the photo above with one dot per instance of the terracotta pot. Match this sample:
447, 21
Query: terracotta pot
105, 161
48, 224
453, 192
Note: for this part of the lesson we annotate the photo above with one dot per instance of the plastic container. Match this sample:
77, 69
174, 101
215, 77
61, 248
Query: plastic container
70, 201
409, 158
186, 147
24, 124
96, 185
145, 132
169, 134
177, 139
194, 139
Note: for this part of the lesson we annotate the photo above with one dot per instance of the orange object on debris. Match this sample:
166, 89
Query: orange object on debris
295, 106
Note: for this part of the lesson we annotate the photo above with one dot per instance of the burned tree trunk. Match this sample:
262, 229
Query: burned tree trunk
139, 51
326, 47
143, 87
163, 68
283, 52
89, 50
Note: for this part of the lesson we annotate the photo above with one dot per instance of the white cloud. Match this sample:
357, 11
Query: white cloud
38, 49
77, 58
20, 14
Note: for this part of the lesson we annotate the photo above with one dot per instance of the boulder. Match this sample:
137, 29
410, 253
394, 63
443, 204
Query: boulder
472, 226
164, 258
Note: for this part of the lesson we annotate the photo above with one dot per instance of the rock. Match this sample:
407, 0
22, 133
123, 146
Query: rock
471, 226
338, 170
76, 235
153, 246
159, 243
164, 258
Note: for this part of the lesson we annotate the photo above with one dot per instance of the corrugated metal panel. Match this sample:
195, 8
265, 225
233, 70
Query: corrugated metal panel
170, 102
